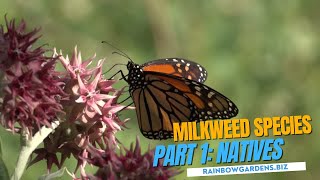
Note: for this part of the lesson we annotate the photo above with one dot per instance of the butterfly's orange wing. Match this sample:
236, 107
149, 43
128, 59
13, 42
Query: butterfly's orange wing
166, 99
177, 67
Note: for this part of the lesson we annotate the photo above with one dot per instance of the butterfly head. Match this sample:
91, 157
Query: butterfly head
135, 76
133, 67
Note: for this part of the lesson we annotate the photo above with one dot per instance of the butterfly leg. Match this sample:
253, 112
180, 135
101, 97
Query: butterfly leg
123, 76
125, 107
124, 100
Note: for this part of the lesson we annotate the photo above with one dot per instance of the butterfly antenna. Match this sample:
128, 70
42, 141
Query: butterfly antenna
121, 52
116, 52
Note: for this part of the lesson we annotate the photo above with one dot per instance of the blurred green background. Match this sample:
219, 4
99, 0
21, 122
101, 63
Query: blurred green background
264, 55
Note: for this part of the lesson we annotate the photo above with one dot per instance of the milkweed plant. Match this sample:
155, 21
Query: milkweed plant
65, 114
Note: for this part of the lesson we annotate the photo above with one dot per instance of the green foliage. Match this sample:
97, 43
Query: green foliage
53, 175
4, 175
3, 170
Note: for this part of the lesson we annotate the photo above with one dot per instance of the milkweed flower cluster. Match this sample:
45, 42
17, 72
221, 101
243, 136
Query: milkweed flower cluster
30, 85
130, 164
90, 113
34, 94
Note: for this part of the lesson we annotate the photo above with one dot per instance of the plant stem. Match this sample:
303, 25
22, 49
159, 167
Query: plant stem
28, 146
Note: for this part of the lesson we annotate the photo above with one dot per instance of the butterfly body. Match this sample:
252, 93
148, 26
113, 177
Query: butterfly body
171, 90
135, 77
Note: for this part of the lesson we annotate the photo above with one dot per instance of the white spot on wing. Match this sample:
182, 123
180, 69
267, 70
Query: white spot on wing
198, 93
210, 94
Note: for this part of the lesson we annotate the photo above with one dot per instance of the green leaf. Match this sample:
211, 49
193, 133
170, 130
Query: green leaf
0, 147
4, 175
53, 175
3, 170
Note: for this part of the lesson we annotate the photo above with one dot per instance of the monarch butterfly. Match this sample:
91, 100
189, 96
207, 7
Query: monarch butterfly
172, 90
